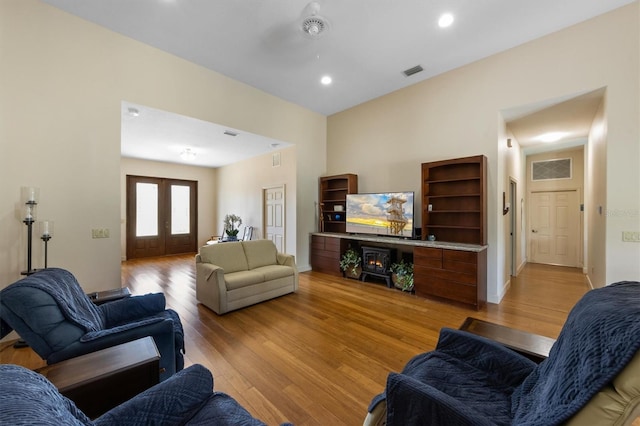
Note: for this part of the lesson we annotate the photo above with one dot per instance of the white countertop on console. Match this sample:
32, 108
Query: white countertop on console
403, 241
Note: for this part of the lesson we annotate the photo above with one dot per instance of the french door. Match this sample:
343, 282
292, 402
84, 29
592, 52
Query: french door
161, 216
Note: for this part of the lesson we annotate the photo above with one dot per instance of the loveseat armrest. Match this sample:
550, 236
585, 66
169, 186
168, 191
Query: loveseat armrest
286, 259
170, 402
211, 289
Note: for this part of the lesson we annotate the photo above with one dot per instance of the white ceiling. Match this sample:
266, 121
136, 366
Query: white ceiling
159, 135
367, 46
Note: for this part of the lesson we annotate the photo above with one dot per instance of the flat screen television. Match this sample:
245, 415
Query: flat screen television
388, 214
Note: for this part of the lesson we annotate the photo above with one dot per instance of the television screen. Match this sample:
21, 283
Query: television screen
389, 214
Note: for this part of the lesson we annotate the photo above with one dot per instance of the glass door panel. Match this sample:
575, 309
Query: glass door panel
180, 209
146, 209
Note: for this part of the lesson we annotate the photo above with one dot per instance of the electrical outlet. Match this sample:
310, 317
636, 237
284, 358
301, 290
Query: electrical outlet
631, 237
100, 233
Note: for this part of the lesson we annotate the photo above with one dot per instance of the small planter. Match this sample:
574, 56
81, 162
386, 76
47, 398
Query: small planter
353, 272
402, 275
403, 282
350, 264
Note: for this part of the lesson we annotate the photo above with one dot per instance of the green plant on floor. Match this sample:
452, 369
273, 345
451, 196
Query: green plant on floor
404, 274
350, 261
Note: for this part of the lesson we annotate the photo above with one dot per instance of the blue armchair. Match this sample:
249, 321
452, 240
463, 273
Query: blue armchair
186, 398
57, 319
592, 375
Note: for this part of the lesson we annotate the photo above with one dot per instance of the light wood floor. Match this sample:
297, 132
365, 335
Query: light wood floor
318, 356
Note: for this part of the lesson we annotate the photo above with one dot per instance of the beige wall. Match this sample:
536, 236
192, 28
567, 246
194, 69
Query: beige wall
62, 81
454, 115
513, 159
239, 190
596, 200
206, 178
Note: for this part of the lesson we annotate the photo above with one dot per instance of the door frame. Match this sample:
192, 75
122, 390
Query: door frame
513, 225
164, 212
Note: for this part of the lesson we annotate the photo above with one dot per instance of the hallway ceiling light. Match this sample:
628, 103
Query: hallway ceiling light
551, 136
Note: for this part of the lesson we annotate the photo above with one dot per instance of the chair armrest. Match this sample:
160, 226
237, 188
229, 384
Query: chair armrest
161, 331
484, 354
132, 308
410, 401
170, 402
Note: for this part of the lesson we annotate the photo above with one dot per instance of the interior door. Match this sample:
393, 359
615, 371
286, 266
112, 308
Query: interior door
274, 218
161, 216
554, 236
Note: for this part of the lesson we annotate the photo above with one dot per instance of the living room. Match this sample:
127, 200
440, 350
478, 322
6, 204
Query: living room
74, 151
64, 81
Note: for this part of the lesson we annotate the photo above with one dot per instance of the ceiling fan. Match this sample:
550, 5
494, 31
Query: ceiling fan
313, 24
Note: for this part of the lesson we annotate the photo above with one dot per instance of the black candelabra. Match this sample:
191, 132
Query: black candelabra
29, 219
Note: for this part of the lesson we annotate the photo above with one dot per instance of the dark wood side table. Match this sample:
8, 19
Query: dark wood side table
533, 346
101, 380
100, 297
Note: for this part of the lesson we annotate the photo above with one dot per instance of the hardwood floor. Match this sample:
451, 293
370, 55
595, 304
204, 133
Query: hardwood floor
318, 356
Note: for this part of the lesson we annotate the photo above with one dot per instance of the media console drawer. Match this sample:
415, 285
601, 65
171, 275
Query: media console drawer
456, 275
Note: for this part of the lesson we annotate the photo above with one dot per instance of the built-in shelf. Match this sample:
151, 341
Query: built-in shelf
454, 200
333, 200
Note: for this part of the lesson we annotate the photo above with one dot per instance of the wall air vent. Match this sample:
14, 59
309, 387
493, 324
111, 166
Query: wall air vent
412, 71
230, 133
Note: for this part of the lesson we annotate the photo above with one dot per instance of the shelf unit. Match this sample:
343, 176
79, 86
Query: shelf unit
454, 200
333, 192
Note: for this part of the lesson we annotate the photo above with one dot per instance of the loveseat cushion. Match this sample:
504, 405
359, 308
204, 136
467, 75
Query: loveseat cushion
260, 253
241, 279
274, 272
229, 256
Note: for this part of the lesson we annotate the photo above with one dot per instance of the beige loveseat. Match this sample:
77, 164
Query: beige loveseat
233, 275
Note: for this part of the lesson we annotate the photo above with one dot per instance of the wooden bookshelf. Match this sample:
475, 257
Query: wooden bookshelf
454, 200
333, 200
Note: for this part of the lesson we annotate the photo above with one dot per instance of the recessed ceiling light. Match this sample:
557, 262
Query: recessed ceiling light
551, 136
326, 80
188, 155
446, 19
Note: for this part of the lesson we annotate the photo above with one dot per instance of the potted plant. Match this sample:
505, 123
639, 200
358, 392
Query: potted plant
402, 275
350, 263
232, 224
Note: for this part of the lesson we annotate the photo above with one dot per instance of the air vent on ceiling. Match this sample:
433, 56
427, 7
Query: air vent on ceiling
230, 133
412, 71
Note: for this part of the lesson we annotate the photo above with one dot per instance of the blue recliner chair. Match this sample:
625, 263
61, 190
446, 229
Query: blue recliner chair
57, 319
187, 398
592, 375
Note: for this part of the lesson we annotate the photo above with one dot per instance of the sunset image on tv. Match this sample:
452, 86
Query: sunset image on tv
381, 214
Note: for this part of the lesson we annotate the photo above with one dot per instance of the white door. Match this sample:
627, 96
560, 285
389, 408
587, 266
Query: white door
555, 225
274, 219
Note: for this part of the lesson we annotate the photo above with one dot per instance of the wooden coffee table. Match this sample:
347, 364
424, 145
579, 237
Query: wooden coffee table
101, 380
533, 346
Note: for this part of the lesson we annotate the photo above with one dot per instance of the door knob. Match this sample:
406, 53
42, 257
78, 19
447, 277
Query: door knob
534, 231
